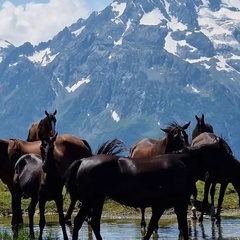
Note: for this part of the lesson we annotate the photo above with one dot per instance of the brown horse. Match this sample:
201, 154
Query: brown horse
68, 148
176, 138
201, 126
38, 177
45, 127
159, 182
212, 178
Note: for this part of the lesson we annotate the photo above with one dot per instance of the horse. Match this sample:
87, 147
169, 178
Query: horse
45, 127
212, 178
38, 177
67, 149
160, 182
201, 126
175, 139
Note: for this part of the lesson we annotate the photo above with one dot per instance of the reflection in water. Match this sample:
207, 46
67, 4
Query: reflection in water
121, 229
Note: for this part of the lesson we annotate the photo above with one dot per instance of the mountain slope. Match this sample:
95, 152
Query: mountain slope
128, 70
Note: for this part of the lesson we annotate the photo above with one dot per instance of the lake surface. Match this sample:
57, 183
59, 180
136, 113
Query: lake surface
126, 229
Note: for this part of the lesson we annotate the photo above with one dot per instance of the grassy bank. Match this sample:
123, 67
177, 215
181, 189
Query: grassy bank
230, 204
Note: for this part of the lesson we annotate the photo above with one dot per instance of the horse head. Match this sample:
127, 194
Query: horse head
46, 126
201, 126
176, 136
47, 149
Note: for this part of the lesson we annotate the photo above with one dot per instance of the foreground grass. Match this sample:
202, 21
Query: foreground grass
230, 203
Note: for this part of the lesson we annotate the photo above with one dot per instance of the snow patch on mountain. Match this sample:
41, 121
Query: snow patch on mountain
43, 57
118, 9
218, 25
155, 17
76, 85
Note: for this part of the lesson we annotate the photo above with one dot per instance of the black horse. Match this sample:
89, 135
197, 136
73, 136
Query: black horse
211, 178
175, 139
38, 177
44, 128
159, 182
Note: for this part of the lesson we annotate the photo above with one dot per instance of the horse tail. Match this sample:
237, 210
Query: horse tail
69, 178
114, 147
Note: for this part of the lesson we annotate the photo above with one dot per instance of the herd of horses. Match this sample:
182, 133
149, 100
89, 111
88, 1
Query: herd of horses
157, 174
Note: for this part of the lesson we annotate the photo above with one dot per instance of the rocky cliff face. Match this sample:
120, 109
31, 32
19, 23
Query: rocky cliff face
127, 71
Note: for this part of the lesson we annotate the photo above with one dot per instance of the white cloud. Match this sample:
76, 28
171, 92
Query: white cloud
36, 22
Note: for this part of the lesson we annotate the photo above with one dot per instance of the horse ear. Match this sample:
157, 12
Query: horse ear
46, 113
197, 118
186, 125
164, 130
202, 120
55, 112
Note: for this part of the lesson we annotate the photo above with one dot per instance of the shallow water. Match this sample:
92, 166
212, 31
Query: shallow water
130, 229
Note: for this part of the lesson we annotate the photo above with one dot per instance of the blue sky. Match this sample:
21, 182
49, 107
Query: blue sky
39, 20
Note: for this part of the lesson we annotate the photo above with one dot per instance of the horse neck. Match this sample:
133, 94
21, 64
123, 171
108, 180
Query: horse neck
171, 146
44, 126
53, 172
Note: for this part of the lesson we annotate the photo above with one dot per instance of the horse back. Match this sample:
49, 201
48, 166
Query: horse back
18, 147
204, 138
28, 173
160, 163
148, 147
33, 132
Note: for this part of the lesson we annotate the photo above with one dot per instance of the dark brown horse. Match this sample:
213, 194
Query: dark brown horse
68, 148
175, 139
44, 128
213, 177
160, 182
201, 126
38, 177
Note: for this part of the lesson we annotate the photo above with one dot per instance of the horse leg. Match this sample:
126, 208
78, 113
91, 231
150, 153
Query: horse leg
220, 200
17, 212
31, 211
16, 195
156, 214
80, 218
96, 216
212, 194
181, 212
69, 212
42, 220
59, 203
143, 222
194, 210
205, 199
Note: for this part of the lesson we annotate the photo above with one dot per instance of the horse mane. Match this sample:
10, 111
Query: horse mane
87, 144
172, 125
113, 147
226, 145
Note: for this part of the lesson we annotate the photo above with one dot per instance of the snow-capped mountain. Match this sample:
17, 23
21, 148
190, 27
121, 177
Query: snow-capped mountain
128, 70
